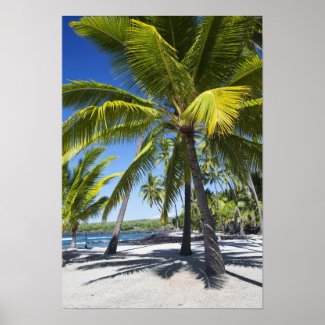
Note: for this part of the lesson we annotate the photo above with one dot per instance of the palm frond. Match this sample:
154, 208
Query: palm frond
219, 41
108, 33
80, 94
113, 113
109, 121
250, 119
90, 188
178, 31
93, 210
154, 63
73, 142
141, 165
237, 154
174, 177
216, 108
248, 73
88, 160
65, 181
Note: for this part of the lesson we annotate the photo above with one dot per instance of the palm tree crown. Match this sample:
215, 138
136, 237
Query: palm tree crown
81, 186
152, 191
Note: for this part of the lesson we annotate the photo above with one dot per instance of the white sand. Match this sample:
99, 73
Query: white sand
156, 276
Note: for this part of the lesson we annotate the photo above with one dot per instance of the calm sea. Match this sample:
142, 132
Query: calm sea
100, 240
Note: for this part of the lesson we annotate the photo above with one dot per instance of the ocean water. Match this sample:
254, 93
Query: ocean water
101, 240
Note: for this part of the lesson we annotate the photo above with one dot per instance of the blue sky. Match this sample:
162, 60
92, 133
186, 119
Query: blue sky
83, 61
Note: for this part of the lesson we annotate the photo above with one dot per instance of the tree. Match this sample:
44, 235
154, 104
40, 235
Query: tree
152, 191
248, 205
80, 187
193, 69
256, 178
228, 209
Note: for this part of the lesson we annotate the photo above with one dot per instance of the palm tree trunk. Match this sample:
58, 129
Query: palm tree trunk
112, 246
186, 240
213, 258
235, 223
218, 208
74, 237
176, 217
251, 185
223, 228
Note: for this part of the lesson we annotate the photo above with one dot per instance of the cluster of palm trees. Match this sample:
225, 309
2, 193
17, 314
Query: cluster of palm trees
199, 88
232, 202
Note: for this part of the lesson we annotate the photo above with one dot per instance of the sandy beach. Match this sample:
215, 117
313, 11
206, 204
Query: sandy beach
156, 276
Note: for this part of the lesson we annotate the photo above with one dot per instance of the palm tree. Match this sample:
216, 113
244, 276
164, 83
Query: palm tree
152, 191
247, 203
80, 187
194, 70
232, 160
257, 192
228, 209
166, 146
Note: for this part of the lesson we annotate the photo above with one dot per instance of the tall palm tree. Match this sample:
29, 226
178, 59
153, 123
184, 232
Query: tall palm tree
193, 69
80, 187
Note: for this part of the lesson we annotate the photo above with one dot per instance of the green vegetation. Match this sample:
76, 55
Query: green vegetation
80, 188
128, 226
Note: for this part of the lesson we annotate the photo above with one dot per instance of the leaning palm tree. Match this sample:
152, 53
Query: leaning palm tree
80, 188
112, 245
199, 82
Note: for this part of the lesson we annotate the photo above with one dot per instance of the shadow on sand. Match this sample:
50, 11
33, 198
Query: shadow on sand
166, 263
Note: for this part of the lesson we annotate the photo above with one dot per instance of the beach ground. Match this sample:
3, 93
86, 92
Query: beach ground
156, 276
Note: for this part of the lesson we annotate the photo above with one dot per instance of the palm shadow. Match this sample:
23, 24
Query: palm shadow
78, 256
242, 259
163, 263
166, 263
